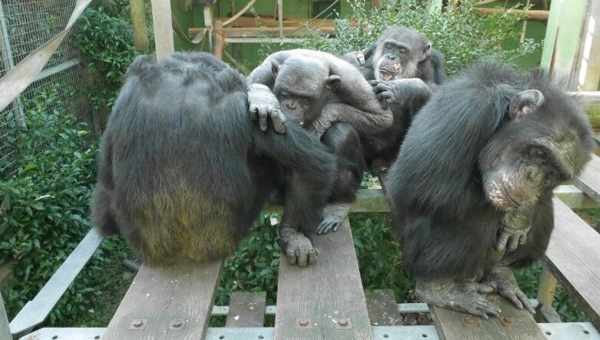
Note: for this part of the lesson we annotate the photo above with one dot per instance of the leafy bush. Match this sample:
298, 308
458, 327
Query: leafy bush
461, 33
105, 41
47, 199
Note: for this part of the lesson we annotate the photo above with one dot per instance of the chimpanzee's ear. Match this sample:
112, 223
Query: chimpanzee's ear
333, 81
274, 68
524, 103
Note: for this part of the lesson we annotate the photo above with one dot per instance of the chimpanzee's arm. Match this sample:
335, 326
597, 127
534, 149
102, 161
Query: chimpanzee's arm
362, 121
403, 95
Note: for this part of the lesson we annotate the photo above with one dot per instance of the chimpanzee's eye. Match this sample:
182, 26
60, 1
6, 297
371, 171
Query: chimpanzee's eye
536, 152
402, 50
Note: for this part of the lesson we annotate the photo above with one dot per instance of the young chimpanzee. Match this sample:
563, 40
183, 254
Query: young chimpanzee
183, 172
330, 97
471, 190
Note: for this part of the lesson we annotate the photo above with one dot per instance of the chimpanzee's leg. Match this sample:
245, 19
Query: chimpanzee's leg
345, 143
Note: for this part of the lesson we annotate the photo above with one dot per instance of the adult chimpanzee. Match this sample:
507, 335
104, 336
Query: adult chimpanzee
183, 172
404, 69
471, 190
303, 80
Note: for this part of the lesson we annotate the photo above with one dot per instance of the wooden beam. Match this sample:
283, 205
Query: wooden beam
539, 15
138, 20
246, 309
589, 180
171, 303
280, 17
4, 328
325, 300
512, 323
574, 257
163, 28
220, 36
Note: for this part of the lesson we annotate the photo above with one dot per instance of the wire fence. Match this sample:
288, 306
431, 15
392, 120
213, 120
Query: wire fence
24, 26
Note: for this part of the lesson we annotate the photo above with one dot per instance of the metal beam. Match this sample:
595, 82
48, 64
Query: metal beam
552, 331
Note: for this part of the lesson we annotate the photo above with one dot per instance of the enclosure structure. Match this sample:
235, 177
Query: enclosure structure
327, 300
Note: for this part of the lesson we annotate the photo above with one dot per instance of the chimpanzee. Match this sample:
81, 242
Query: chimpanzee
183, 172
327, 95
404, 70
471, 189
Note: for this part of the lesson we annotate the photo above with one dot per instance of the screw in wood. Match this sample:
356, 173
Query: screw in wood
303, 322
137, 324
176, 324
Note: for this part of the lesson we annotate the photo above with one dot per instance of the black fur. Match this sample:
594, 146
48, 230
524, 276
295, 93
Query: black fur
182, 171
447, 223
381, 147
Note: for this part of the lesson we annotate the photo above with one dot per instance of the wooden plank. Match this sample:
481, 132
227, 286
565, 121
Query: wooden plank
574, 256
166, 303
4, 327
383, 310
589, 180
36, 310
219, 40
163, 28
539, 15
574, 197
247, 309
138, 23
512, 324
325, 300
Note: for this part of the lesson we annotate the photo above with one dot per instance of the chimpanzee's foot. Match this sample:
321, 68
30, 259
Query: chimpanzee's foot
334, 216
502, 280
297, 247
466, 297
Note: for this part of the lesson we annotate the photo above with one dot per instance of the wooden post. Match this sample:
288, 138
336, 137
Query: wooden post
138, 20
208, 23
4, 325
376, 3
280, 17
163, 28
219, 39
572, 43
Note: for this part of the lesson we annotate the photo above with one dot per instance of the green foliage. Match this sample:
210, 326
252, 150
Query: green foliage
254, 266
461, 34
46, 201
105, 41
379, 256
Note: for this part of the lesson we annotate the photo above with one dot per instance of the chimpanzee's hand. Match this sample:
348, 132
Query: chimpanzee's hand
264, 105
514, 231
400, 92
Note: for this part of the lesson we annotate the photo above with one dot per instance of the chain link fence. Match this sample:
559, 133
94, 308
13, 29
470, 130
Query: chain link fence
24, 26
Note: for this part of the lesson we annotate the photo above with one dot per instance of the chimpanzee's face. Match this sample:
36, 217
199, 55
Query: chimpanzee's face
399, 53
530, 155
301, 90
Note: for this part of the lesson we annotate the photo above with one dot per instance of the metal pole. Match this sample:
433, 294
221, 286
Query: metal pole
280, 17
8, 60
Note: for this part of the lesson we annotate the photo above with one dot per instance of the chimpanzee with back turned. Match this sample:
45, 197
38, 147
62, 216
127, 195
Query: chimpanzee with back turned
183, 172
471, 190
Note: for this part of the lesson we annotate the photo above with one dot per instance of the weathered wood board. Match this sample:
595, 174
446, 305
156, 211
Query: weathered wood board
513, 324
324, 301
166, 303
383, 309
589, 180
574, 256
246, 309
